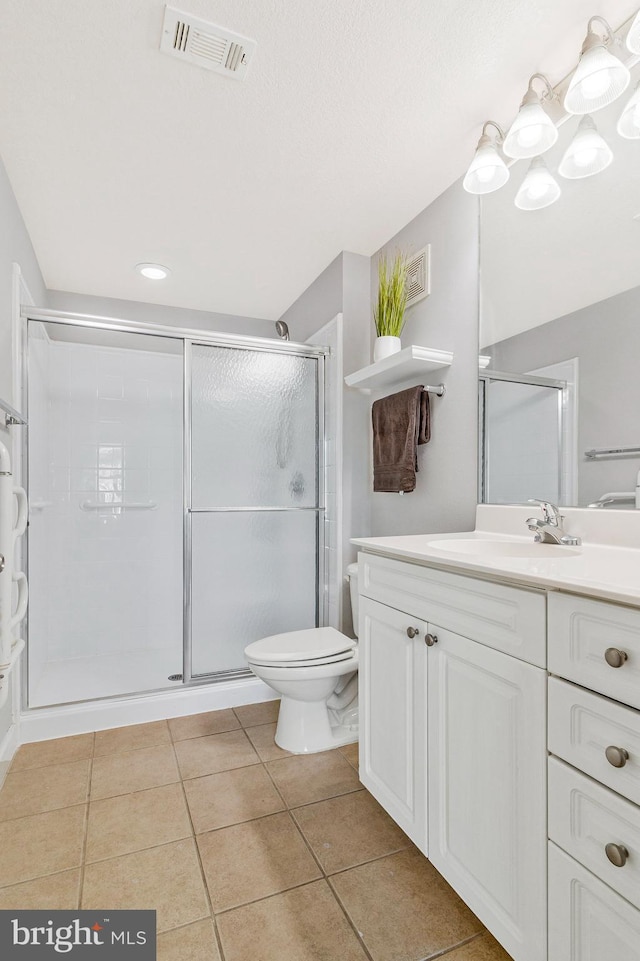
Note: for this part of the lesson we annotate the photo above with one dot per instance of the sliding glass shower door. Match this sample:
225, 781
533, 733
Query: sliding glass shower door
254, 500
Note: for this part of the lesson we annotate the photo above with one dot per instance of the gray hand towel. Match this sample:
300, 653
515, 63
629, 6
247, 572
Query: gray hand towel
400, 422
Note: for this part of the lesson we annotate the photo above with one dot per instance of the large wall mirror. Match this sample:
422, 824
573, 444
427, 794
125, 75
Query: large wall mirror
560, 333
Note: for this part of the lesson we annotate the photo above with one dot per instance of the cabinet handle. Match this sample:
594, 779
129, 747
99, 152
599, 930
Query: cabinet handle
617, 756
413, 631
617, 854
615, 657
431, 639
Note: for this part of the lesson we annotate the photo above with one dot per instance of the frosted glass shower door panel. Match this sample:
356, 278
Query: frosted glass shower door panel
254, 429
254, 574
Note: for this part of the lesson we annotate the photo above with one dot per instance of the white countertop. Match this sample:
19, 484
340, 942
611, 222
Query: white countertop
606, 571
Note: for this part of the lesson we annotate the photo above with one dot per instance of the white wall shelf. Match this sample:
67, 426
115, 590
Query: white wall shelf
412, 361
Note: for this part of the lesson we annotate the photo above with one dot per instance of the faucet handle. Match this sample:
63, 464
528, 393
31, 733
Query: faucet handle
551, 512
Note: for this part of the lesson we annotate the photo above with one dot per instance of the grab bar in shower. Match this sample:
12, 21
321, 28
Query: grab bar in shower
123, 506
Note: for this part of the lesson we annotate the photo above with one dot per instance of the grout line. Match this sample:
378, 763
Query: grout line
85, 837
454, 947
350, 922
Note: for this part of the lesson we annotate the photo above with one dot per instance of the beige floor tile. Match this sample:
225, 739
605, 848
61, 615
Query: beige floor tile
262, 739
44, 789
230, 797
56, 892
135, 771
119, 740
484, 948
42, 844
56, 751
301, 925
131, 822
303, 778
403, 909
254, 860
166, 879
195, 942
199, 725
350, 751
349, 830
265, 712
219, 752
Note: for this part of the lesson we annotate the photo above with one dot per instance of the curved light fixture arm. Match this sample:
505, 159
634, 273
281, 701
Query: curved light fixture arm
608, 38
548, 94
492, 123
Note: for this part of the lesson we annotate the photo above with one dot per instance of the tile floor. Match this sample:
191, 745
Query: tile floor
245, 851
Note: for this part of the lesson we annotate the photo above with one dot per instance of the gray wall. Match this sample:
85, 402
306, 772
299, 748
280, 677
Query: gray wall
605, 337
15, 247
157, 314
344, 287
446, 492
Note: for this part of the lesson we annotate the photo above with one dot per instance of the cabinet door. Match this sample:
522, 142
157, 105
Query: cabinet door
587, 920
487, 787
392, 692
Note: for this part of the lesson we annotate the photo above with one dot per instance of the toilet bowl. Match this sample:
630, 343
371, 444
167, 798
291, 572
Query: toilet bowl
315, 672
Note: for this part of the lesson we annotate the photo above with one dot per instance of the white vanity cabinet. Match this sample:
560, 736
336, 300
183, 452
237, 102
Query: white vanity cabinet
453, 734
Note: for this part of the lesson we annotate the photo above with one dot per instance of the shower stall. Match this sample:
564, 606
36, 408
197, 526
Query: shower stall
176, 487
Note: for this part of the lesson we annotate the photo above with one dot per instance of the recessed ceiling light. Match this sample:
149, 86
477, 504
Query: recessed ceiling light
153, 271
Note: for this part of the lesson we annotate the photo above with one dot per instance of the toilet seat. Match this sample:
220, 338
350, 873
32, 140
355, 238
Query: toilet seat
313, 647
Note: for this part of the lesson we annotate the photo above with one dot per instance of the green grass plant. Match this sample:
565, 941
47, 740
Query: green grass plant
388, 313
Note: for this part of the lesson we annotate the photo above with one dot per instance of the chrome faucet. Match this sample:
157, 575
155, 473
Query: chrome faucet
548, 528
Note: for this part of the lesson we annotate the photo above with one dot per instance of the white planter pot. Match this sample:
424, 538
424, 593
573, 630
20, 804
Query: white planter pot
385, 346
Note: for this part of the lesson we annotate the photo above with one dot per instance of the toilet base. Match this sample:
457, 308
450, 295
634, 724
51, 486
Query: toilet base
308, 727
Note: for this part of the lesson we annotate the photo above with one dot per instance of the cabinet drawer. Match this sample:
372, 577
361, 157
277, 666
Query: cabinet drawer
587, 920
581, 631
583, 725
584, 817
506, 618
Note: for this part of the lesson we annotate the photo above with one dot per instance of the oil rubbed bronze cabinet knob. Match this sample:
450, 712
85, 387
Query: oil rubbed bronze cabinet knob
617, 854
614, 657
617, 756
431, 639
413, 631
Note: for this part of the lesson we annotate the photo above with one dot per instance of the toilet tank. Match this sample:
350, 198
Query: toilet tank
352, 574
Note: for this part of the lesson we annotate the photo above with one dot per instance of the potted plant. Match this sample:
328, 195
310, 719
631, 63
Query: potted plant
388, 313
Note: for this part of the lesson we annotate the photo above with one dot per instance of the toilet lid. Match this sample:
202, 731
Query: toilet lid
318, 644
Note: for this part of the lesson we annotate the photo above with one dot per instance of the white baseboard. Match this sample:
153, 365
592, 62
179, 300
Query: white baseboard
42, 724
8, 747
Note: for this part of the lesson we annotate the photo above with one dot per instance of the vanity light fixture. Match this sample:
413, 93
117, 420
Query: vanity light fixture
539, 188
633, 37
487, 171
533, 131
629, 122
587, 154
599, 77
153, 271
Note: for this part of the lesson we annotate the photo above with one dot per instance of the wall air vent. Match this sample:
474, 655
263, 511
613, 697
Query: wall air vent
418, 276
206, 44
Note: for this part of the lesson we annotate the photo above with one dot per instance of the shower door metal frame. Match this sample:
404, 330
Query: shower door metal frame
319, 510
189, 337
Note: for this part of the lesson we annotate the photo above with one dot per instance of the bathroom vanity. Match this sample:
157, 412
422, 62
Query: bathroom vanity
500, 724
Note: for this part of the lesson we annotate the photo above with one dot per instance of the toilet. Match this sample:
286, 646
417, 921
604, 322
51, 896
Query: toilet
315, 672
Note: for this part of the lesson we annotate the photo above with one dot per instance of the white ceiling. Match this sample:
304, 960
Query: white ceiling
355, 116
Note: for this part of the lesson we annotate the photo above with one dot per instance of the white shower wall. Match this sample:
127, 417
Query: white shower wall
106, 610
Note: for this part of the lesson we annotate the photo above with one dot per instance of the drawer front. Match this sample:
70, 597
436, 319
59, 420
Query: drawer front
506, 618
585, 817
587, 920
582, 631
583, 725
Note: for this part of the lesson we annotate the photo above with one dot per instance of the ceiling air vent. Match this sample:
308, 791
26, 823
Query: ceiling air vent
206, 44
418, 276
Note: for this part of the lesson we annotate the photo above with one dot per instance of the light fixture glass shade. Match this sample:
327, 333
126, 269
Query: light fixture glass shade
538, 189
598, 80
488, 171
587, 154
531, 133
629, 122
633, 37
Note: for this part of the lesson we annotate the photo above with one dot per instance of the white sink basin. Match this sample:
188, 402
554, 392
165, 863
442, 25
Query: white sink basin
494, 548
